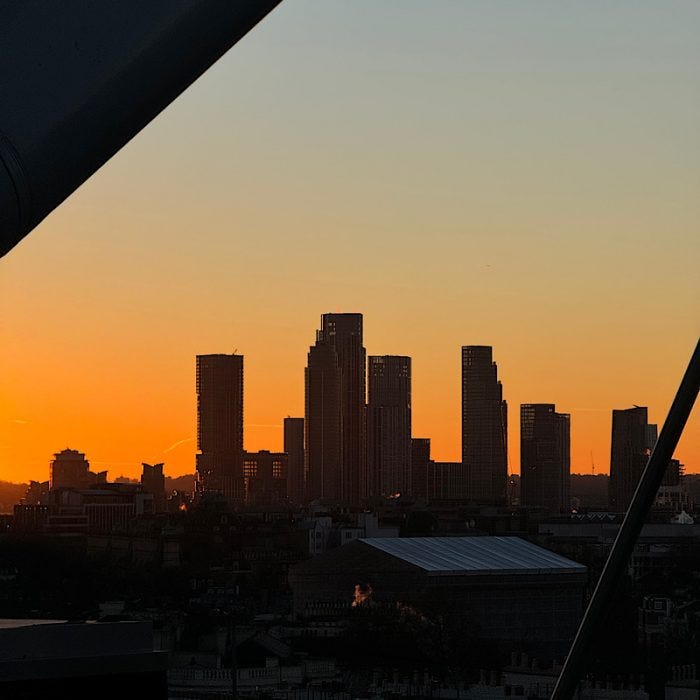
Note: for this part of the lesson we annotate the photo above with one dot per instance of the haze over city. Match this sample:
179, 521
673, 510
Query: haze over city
523, 177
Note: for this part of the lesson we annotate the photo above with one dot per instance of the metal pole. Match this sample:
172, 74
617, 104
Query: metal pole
642, 501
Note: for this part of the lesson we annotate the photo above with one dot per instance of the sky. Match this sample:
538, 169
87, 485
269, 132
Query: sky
521, 175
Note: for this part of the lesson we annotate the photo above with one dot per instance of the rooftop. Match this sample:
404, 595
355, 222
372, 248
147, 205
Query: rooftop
14, 623
474, 554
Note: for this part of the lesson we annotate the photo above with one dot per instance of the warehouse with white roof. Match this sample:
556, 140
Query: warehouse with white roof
505, 588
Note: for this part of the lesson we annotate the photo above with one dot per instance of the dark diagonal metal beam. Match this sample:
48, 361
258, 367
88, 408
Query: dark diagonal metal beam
80, 78
642, 501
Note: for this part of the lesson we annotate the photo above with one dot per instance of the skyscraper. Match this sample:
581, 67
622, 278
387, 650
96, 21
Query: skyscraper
545, 457
633, 439
220, 425
484, 427
389, 425
335, 400
420, 459
322, 423
294, 447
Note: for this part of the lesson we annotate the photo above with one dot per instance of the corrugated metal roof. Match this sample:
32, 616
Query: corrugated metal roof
473, 554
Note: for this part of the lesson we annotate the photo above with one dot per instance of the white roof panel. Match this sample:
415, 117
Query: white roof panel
474, 554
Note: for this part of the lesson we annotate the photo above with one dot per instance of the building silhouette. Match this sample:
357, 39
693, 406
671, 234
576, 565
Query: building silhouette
335, 400
265, 478
322, 423
420, 460
69, 469
220, 425
484, 427
673, 494
447, 481
80, 660
153, 481
389, 425
504, 588
294, 447
545, 457
102, 507
633, 439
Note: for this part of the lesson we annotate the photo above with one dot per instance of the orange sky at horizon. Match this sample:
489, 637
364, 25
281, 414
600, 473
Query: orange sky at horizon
524, 178
435, 409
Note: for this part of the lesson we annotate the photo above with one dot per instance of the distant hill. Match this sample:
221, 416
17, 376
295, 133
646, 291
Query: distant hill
10, 494
179, 483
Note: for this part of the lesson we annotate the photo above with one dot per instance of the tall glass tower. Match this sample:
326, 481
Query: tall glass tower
389, 425
220, 425
545, 457
484, 427
335, 407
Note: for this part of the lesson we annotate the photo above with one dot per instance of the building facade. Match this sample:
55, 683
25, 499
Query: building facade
153, 481
484, 427
294, 447
447, 481
264, 478
504, 589
69, 469
545, 457
420, 460
335, 410
220, 425
389, 425
633, 439
322, 423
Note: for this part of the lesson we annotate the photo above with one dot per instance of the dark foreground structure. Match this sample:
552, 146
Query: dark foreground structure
505, 589
108, 660
79, 81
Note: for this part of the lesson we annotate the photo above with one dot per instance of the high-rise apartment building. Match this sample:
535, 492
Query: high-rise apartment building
294, 448
322, 423
420, 461
484, 427
545, 457
335, 409
389, 425
446, 481
633, 439
220, 425
70, 469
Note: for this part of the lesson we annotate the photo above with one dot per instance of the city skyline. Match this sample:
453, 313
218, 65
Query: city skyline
523, 177
337, 343
230, 394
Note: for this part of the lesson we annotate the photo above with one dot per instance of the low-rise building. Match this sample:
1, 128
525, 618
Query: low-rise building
508, 590
81, 661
